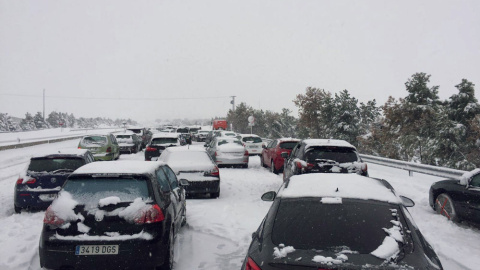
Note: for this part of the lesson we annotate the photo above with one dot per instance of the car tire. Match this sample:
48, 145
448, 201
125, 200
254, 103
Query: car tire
444, 205
215, 195
262, 163
272, 168
245, 166
184, 217
169, 256
17, 209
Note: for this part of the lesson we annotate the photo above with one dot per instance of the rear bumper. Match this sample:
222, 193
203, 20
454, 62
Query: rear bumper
107, 156
31, 200
196, 187
132, 254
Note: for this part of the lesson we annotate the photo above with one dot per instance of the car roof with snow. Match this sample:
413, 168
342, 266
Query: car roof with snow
61, 153
326, 142
333, 185
165, 135
249, 135
119, 167
288, 140
126, 132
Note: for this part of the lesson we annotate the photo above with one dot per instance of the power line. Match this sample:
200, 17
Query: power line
115, 98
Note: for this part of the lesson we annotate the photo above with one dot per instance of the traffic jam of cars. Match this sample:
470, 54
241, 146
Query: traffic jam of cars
326, 214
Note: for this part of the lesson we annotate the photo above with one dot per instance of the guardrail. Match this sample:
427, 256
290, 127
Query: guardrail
414, 167
22, 145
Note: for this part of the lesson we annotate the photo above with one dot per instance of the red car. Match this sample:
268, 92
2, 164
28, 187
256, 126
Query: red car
272, 153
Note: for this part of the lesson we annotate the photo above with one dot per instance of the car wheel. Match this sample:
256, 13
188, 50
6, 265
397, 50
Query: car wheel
245, 166
444, 205
168, 261
184, 217
17, 209
262, 162
215, 194
272, 168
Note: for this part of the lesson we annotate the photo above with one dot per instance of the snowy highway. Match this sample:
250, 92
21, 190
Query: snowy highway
219, 230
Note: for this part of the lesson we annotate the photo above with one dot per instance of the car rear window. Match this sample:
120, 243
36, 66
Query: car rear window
53, 164
338, 154
188, 158
252, 139
89, 191
164, 140
309, 224
94, 140
136, 131
288, 145
224, 142
182, 130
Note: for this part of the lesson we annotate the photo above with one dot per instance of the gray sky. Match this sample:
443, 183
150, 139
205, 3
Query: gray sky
183, 59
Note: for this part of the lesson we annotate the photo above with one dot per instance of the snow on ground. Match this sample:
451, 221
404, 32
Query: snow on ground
219, 230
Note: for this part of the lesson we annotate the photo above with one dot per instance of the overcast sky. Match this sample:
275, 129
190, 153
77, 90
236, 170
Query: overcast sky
183, 59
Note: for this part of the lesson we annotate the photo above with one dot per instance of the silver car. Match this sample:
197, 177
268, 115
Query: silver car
226, 151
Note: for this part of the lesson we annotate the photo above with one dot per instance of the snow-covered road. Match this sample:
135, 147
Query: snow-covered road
219, 230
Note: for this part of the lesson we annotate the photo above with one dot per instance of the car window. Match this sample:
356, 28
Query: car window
288, 145
309, 224
172, 178
94, 140
338, 154
295, 150
475, 181
53, 164
163, 181
164, 140
252, 139
89, 158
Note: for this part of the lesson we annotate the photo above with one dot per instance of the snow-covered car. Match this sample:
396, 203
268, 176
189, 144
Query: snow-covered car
323, 156
201, 135
253, 143
143, 133
44, 175
458, 200
228, 151
195, 165
338, 221
272, 153
102, 146
128, 142
160, 142
115, 215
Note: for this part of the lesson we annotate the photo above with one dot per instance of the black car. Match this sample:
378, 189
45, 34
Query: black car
38, 185
160, 142
323, 156
129, 212
458, 199
338, 221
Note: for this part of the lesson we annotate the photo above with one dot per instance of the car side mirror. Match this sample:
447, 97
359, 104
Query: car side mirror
254, 235
284, 155
205, 145
183, 182
407, 202
263, 146
269, 196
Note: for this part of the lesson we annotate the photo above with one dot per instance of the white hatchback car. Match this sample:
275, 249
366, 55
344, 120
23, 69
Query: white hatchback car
253, 143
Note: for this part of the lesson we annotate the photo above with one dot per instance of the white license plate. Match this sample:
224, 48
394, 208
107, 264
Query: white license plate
96, 250
47, 197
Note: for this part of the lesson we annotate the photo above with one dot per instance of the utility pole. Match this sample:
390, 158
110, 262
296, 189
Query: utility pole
44, 105
233, 102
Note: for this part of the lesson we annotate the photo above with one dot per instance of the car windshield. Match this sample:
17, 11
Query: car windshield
182, 130
164, 140
288, 145
53, 164
94, 140
89, 191
252, 139
338, 154
309, 224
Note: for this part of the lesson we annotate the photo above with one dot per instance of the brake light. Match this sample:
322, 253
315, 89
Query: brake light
246, 153
364, 167
151, 215
51, 218
310, 166
150, 149
214, 172
30, 181
216, 153
109, 149
79, 147
299, 165
251, 265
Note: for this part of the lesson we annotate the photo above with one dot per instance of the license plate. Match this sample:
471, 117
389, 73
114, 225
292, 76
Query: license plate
96, 250
47, 197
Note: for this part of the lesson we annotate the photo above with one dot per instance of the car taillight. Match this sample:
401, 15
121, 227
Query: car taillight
150, 149
246, 153
299, 165
109, 149
151, 215
79, 147
251, 265
364, 167
30, 181
214, 172
51, 218
310, 166
215, 153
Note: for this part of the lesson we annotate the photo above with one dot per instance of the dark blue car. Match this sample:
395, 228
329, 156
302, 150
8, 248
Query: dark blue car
39, 184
